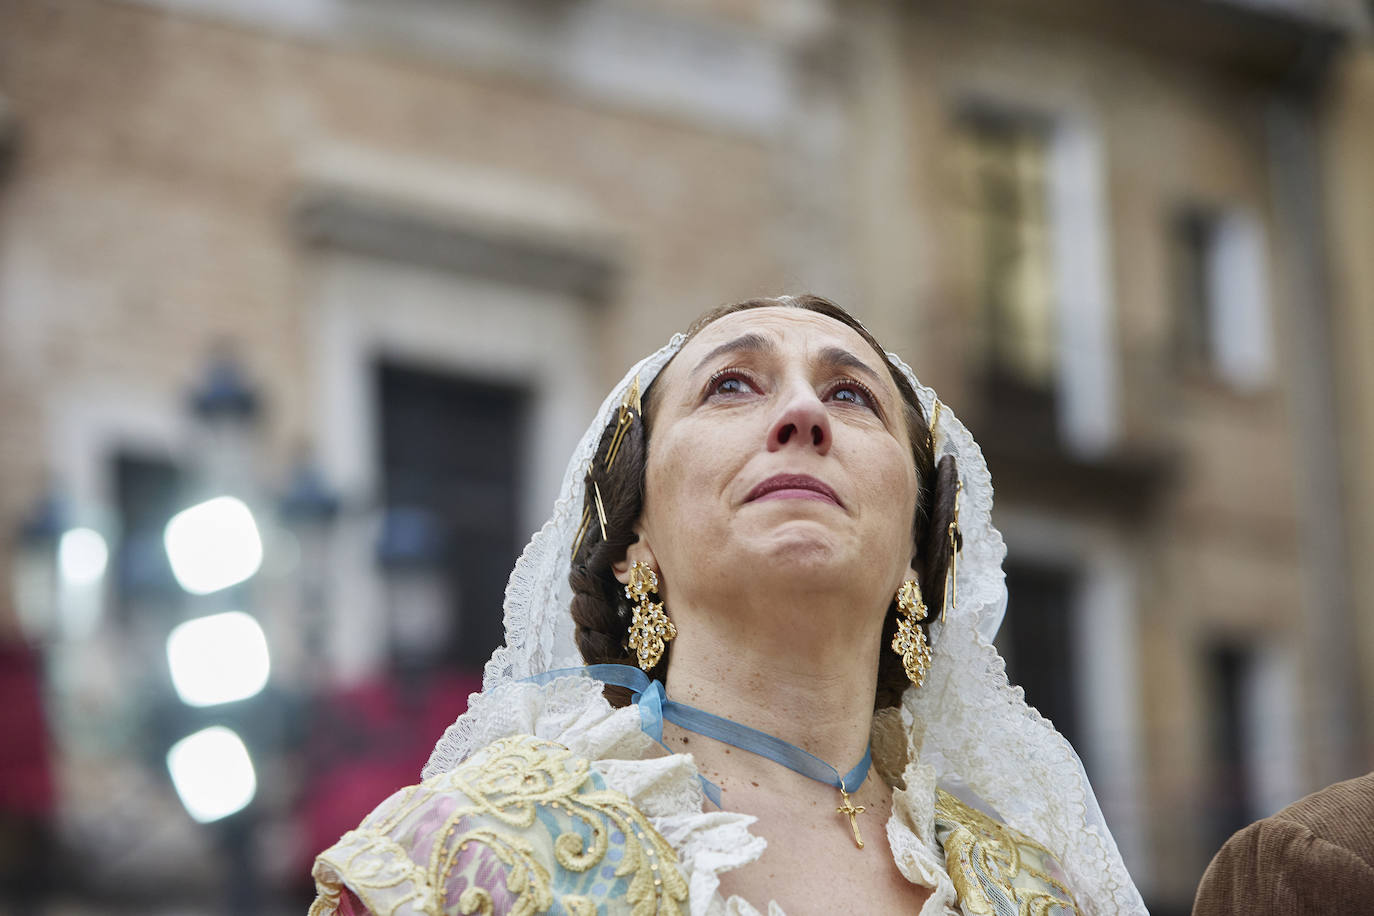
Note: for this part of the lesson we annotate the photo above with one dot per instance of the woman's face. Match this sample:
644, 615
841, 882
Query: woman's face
778, 448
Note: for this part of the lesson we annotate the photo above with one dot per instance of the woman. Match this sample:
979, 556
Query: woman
763, 517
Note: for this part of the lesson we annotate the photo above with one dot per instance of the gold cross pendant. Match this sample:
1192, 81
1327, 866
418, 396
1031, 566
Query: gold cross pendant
853, 814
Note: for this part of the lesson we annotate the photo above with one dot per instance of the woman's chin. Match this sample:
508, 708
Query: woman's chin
803, 551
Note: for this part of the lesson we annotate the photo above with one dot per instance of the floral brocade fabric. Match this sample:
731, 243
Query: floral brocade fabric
523, 827
998, 871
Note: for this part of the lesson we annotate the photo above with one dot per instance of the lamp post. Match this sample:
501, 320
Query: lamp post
308, 508
227, 410
220, 655
59, 574
35, 569
410, 552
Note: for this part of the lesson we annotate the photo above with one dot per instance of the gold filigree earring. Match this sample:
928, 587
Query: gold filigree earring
650, 628
910, 640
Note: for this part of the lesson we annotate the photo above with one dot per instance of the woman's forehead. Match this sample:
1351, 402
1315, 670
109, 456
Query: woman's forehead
782, 321
782, 328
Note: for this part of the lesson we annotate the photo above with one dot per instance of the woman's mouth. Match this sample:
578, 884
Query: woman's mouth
793, 486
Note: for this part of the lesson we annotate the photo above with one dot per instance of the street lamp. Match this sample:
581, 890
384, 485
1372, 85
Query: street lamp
308, 508
212, 546
227, 409
410, 551
212, 773
218, 659
59, 574
35, 569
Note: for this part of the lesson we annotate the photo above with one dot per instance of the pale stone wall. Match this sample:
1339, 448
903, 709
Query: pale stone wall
151, 210
1350, 202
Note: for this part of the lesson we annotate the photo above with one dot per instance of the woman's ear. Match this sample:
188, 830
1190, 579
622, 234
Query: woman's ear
637, 552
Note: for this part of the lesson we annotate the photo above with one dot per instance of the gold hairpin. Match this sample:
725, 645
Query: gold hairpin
622, 424
600, 510
930, 432
628, 403
582, 529
952, 581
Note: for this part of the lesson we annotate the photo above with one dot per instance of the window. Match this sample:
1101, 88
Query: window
1007, 165
1192, 241
147, 493
1031, 198
1228, 669
1039, 642
1220, 304
451, 451
1251, 732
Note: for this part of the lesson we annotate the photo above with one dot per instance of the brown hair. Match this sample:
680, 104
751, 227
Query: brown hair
600, 609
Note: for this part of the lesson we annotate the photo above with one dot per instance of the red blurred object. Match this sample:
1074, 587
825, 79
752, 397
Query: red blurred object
369, 741
26, 778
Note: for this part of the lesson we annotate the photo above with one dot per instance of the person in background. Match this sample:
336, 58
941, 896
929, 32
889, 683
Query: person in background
1314, 857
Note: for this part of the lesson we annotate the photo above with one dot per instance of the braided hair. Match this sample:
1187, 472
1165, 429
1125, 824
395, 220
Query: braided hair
600, 610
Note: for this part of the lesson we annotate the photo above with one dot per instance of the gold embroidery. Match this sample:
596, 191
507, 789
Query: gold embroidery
992, 864
577, 905
375, 863
500, 793
525, 877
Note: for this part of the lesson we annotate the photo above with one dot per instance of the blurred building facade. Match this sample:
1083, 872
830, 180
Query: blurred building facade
1128, 243
1349, 201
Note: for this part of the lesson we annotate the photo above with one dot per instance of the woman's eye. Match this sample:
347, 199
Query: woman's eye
730, 383
852, 393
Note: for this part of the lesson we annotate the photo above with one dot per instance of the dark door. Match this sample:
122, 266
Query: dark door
148, 492
452, 450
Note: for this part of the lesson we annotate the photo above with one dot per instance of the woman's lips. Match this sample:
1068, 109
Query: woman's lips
793, 486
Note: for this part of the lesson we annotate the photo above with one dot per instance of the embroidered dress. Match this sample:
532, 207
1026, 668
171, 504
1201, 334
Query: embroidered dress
523, 827
571, 808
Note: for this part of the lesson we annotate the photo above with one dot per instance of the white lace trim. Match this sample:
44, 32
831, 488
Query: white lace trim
967, 723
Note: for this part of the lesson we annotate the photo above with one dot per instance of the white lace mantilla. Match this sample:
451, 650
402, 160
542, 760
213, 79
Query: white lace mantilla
572, 711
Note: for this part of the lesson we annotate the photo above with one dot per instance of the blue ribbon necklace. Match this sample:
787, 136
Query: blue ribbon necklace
654, 707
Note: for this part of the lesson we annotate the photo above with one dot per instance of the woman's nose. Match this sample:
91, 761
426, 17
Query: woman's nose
802, 420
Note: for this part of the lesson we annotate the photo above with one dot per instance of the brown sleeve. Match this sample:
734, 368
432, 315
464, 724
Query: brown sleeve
1279, 866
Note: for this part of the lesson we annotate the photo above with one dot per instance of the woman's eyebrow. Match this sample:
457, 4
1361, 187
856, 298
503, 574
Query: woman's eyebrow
840, 358
745, 343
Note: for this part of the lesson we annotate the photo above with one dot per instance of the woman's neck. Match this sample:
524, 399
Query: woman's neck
819, 700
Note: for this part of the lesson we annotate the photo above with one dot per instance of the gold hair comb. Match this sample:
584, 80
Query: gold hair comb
582, 529
930, 431
622, 424
629, 406
952, 583
600, 509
